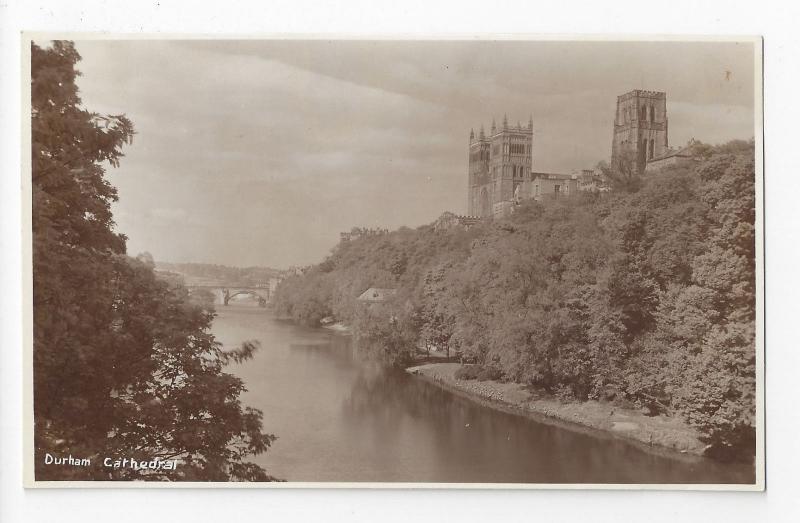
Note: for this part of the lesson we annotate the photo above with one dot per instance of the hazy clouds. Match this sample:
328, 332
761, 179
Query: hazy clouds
254, 152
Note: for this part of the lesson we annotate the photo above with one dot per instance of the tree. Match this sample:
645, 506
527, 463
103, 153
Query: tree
436, 324
624, 174
124, 363
718, 391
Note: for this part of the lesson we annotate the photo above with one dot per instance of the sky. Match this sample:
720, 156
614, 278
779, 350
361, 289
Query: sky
259, 152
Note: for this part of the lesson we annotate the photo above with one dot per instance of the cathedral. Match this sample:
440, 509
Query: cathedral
501, 171
498, 164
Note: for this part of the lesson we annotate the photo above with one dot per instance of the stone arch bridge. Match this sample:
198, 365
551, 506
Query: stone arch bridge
224, 293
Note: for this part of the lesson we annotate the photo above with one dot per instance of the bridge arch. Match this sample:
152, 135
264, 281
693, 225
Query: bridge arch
261, 294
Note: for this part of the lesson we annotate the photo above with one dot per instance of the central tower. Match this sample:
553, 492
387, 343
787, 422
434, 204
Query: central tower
498, 163
640, 128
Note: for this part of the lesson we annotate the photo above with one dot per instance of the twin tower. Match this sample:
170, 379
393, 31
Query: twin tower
502, 160
640, 129
498, 163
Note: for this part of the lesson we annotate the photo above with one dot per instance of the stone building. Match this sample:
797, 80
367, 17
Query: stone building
448, 220
687, 155
640, 128
498, 164
554, 185
591, 180
548, 185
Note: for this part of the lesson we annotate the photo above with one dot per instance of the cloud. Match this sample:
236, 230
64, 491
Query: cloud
711, 123
260, 152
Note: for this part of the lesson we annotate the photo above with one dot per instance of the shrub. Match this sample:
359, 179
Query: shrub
467, 372
564, 392
489, 373
478, 372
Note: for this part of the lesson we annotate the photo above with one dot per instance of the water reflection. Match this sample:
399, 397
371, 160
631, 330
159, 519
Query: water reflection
340, 417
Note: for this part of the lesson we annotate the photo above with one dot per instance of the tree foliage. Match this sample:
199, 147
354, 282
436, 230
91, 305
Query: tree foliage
245, 276
124, 363
625, 172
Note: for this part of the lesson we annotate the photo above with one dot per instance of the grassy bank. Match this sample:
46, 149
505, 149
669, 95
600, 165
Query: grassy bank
657, 432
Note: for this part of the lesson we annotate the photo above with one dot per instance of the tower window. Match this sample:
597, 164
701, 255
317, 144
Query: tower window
644, 113
652, 114
652, 148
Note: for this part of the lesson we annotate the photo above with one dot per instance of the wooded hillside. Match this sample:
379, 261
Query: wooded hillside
645, 294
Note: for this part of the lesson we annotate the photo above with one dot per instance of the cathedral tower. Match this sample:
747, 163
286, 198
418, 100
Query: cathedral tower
640, 127
498, 163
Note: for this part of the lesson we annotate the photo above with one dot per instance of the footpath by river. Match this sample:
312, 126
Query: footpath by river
340, 417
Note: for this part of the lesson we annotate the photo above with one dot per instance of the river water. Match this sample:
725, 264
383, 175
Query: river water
340, 417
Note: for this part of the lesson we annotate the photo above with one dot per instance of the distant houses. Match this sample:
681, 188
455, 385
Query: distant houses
295, 270
359, 232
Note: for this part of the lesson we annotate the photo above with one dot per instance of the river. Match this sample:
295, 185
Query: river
340, 417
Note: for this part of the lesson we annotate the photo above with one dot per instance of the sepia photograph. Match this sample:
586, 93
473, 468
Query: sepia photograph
483, 262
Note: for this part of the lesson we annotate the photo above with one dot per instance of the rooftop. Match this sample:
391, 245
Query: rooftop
554, 176
376, 294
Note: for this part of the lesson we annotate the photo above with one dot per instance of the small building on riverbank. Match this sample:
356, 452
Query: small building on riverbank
376, 295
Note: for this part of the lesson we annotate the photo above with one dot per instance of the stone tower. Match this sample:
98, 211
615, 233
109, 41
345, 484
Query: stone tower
640, 126
498, 163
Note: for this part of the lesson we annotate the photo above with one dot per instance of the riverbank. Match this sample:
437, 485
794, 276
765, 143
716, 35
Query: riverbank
338, 327
657, 433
